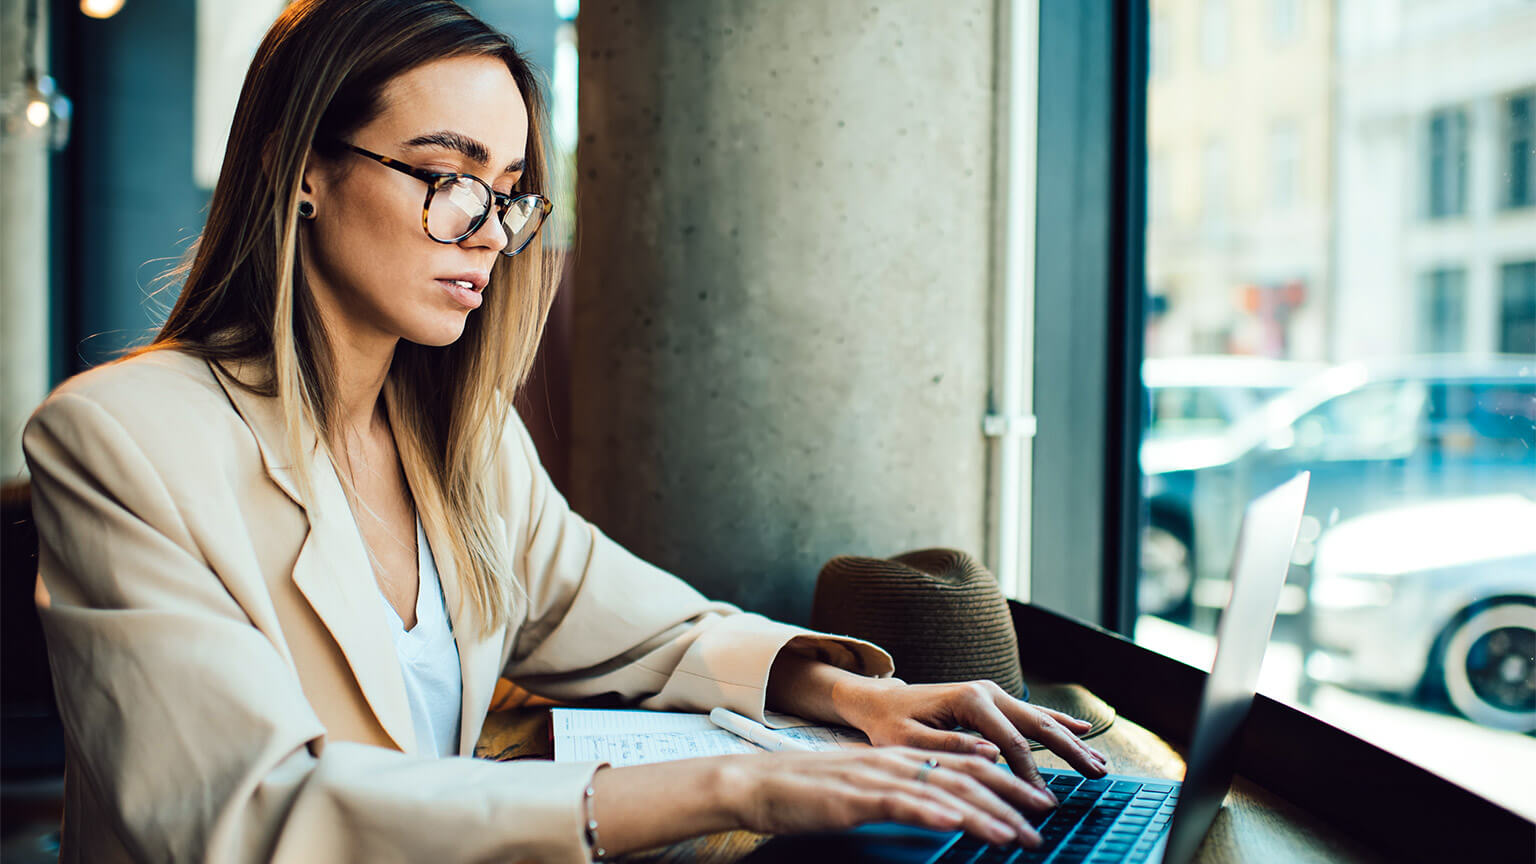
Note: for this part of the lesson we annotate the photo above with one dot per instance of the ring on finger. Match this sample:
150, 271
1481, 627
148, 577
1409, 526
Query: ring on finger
923, 772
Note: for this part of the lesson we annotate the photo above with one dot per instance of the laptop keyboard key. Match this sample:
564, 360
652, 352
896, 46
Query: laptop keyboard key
962, 851
998, 855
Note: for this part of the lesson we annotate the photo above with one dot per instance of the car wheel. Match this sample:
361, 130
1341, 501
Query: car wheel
1167, 573
1489, 666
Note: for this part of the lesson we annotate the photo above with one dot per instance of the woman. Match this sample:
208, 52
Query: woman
288, 548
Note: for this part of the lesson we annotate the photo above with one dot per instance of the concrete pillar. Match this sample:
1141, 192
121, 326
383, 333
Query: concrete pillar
780, 330
23, 245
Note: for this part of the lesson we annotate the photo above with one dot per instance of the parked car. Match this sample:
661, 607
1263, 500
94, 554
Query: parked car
1194, 397
1192, 402
1432, 600
1374, 435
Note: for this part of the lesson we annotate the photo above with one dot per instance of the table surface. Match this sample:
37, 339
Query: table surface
1254, 825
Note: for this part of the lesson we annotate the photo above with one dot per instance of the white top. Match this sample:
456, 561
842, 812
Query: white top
429, 658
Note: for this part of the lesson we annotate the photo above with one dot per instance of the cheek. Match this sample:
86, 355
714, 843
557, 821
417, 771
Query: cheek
372, 238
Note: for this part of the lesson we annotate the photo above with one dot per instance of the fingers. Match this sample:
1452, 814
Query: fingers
1044, 727
996, 826
929, 738
954, 786
1067, 720
988, 719
1006, 787
925, 811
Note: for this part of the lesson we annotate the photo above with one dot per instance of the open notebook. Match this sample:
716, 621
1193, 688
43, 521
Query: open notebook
636, 737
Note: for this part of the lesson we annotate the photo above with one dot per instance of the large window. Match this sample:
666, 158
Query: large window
1520, 150
1446, 163
1517, 307
1442, 302
1347, 285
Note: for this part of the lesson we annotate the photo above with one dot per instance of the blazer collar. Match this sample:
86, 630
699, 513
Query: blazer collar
335, 577
479, 658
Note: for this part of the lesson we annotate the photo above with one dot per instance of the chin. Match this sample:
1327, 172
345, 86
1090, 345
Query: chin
440, 336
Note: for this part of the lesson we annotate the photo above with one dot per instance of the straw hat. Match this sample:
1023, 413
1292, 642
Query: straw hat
939, 613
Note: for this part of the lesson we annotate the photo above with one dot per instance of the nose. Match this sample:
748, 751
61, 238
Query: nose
490, 235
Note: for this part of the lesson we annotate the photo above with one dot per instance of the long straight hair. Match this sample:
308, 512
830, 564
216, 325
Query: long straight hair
318, 76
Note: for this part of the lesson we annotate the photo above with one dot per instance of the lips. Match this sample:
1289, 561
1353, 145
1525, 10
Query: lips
477, 280
462, 291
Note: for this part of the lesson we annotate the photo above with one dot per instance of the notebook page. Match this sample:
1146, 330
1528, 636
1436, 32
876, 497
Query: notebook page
623, 737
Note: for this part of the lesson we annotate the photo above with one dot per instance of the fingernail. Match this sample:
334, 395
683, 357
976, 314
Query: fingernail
1003, 832
988, 751
1030, 837
1047, 797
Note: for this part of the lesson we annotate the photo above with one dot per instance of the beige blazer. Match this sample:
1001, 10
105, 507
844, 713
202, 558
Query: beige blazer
228, 683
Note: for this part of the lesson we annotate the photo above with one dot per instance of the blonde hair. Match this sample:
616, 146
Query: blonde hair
318, 76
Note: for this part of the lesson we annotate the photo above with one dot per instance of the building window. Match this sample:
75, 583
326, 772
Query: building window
1162, 46
1442, 301
1520, 150
1284, 20
1160, 204
1213, 184
1447, 163
1284, 164
1215, 24
1517, 321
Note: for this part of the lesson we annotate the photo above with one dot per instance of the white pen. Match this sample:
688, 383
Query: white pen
751, 730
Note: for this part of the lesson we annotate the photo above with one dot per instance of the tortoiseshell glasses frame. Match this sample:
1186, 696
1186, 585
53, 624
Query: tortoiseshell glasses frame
536, 206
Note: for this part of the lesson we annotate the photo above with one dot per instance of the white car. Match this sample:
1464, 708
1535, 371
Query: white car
1438, 597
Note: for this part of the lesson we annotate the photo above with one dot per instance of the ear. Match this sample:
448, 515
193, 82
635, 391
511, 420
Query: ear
309, 180
314, 179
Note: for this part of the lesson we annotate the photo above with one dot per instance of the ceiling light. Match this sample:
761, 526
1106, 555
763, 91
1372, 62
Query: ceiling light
101, 8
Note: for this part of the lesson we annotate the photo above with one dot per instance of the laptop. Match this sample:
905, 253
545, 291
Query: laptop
1118, 819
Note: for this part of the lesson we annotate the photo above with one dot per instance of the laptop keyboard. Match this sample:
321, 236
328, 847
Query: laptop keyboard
1098, 821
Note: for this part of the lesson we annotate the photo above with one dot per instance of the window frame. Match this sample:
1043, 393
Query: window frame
1086, 487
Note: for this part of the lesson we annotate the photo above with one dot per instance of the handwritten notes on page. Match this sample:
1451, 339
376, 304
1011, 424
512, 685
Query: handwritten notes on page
637, 737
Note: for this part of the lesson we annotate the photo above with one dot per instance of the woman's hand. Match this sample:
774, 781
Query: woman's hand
791, 792
925, 715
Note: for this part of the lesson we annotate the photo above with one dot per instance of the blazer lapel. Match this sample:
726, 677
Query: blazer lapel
332, 571
479, 658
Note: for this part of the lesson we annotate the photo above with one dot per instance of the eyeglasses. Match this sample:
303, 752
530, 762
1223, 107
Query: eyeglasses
458, 204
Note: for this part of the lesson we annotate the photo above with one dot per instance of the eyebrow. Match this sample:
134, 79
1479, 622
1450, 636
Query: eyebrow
463, 144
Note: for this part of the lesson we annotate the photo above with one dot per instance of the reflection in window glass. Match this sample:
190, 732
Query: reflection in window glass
1355, 229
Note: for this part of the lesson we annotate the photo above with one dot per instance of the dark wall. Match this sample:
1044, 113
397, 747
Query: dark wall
135, 208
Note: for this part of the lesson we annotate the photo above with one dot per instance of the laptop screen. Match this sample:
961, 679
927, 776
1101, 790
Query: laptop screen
1268, 533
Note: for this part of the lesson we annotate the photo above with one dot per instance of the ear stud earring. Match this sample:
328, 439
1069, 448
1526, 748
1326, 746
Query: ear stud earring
306, 210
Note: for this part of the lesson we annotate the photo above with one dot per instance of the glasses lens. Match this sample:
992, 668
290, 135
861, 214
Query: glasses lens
456, 207
524, 215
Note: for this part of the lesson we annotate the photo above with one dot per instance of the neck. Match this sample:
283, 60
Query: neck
360, 384
362, 356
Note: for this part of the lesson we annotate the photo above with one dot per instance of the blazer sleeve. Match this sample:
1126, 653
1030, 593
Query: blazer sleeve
187, 731
599, 620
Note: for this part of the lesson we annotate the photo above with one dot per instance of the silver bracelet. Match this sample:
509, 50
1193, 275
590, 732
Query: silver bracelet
598, 852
